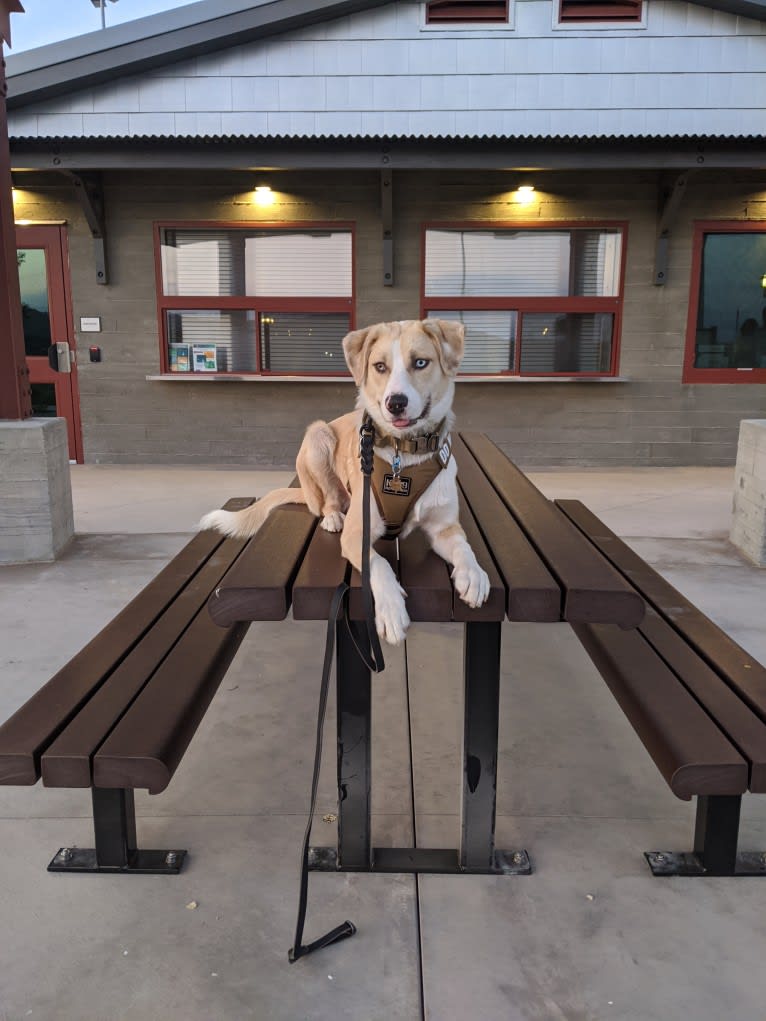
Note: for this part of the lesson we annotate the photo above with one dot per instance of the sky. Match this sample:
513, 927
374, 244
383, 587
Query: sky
47, 21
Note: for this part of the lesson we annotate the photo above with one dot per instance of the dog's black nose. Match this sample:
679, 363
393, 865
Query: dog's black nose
396, 403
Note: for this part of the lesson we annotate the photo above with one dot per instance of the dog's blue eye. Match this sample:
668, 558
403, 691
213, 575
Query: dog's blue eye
380, 366
420, 363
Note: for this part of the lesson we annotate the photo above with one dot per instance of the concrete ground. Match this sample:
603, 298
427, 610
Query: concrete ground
590, 936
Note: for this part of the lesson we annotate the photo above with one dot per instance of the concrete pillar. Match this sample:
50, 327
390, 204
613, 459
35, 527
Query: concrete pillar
36, 516
748, 528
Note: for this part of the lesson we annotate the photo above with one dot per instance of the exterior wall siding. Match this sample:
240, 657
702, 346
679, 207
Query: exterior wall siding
689, 70
652, 419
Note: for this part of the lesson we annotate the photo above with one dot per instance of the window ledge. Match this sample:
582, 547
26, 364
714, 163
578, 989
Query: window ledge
233, 377
230, 377
543, 379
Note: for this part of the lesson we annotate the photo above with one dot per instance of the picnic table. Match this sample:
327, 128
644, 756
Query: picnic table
541, 569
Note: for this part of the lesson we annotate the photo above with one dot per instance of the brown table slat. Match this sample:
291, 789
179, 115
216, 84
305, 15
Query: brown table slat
744, 673
688, 749
494, 608
322, 570
424, 576
258, 587
30, 730
533, 592
740, 724
67, 762
594, 591
147, 744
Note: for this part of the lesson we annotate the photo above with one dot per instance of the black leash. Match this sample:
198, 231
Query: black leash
373, 660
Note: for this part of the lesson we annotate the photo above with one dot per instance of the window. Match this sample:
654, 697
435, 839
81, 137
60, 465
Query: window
599, 10
255, 300
726, 331
535, 301
450, 12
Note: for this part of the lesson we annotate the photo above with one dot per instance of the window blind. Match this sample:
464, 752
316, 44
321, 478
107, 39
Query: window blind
490, 340
566, 342
531, 264
237, 262
296, 342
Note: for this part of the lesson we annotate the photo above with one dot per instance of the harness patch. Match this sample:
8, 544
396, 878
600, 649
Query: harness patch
397, 485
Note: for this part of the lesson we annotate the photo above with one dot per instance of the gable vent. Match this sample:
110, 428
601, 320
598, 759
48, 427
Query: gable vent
440, 12
600, 10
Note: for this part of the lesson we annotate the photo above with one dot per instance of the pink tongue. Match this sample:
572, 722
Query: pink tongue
401, 423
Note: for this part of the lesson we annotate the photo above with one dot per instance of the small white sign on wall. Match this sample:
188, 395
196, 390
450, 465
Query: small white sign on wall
90, 324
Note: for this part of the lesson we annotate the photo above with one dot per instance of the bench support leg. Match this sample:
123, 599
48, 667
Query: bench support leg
114, 825
715, 844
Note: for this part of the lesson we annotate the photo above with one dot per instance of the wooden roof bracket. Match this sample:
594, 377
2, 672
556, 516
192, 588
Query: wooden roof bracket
386, 217
670, 199
89, 188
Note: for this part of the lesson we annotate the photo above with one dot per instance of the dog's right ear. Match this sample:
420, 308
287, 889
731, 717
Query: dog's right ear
355, 347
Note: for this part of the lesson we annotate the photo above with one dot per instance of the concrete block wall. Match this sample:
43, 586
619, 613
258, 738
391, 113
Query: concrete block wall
652, 419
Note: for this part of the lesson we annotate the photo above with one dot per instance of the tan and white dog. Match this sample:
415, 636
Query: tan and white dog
405, 373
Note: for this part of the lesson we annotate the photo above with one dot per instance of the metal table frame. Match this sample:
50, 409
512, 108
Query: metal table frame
477, 854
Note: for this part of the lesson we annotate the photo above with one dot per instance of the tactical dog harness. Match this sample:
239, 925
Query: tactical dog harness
395, 492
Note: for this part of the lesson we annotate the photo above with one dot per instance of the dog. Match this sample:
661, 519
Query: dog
405, 374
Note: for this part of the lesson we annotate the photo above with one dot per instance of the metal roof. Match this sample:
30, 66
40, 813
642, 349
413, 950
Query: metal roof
282, 152
198, 28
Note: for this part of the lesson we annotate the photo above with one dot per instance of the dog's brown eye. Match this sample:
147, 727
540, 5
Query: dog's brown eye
380, 366
420, 363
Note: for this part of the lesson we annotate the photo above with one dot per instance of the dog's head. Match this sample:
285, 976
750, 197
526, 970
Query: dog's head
405, 372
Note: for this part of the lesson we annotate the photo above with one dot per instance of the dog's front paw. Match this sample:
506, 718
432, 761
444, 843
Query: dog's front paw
471, 584
391, 617
333, 522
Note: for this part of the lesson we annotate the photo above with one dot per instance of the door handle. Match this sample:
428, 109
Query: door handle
59, 356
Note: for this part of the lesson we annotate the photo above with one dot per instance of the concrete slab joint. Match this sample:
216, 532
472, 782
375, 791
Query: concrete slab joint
36, 515
748, 528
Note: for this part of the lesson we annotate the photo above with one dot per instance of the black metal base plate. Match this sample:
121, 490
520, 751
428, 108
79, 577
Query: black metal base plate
680, 863
143, 863
436, 861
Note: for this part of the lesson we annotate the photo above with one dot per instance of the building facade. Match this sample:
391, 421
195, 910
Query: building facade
582, 184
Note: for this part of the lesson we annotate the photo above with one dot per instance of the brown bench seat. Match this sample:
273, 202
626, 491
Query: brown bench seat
695, 698
121, 713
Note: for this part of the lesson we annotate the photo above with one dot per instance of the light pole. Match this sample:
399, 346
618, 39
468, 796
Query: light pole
102, 5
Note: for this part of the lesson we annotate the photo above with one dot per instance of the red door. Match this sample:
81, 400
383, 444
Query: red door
46, 314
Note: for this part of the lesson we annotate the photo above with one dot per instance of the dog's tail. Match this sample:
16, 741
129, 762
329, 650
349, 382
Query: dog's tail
244, 523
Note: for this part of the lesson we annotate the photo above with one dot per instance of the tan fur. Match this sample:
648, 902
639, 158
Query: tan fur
383, 359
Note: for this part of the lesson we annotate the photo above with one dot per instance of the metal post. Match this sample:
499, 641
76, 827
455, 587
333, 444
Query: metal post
15, 392
114, 823
482, 692
715, 834
354, 694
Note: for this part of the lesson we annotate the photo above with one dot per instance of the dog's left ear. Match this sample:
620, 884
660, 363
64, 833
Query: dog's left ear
355, 347
451, 341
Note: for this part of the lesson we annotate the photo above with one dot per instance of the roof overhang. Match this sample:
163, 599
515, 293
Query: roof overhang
402, 153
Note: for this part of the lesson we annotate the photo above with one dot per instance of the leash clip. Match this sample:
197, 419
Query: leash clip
396, 462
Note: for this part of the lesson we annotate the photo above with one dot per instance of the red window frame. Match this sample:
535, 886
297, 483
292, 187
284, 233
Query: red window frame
691, 374
251, 303
573, 11
466, 12
611, 305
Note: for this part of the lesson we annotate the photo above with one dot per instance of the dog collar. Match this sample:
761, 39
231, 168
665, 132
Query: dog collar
428, 443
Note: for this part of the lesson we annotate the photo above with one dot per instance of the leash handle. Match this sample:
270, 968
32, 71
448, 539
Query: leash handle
298, 949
